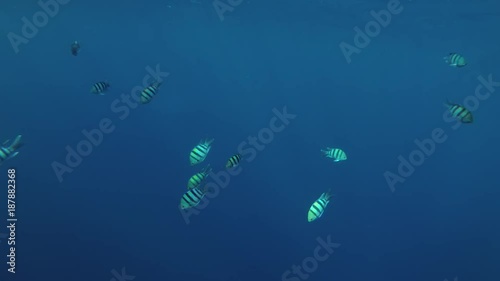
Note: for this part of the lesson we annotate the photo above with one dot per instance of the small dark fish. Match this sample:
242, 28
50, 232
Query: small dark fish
233, 161
75, 48
100, 88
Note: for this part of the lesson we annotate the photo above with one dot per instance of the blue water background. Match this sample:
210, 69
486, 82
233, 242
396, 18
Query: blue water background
119, 207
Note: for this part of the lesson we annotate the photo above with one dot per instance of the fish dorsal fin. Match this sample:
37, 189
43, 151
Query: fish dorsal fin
448, 103
327, 195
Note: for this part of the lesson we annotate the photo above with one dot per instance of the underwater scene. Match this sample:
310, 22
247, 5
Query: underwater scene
246, 140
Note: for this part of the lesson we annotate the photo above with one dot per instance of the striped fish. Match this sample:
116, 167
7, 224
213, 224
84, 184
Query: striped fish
99, 88
7, 152
233, 161
199, 152
460, 112
455, 60
148, 93
318, 207
191, 198
198, 178
336, 154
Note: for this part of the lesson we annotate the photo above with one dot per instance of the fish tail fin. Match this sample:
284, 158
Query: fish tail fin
207, 169
209, 141
157, 83
205, 189
328, 194
14, 154
448, 57
16, 143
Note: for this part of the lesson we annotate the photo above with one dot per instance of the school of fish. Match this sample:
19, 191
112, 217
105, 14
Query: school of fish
195, 190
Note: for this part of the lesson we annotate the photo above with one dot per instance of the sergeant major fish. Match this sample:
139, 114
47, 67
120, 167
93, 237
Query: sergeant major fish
100, 88
191, 198
200, 152
318, 207
7, 152
233, 161
149, 92
460, 112
198, 178
336, 154
455, 60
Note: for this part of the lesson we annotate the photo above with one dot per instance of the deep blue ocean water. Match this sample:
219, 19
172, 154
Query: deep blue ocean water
115, 216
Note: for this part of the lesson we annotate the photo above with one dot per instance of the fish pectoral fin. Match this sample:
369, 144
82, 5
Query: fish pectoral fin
16, 143
13, 154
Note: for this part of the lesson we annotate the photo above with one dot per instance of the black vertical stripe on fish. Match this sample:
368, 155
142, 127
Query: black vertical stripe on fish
198, 194
460, 112
321, 203
316, 208
188, 195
